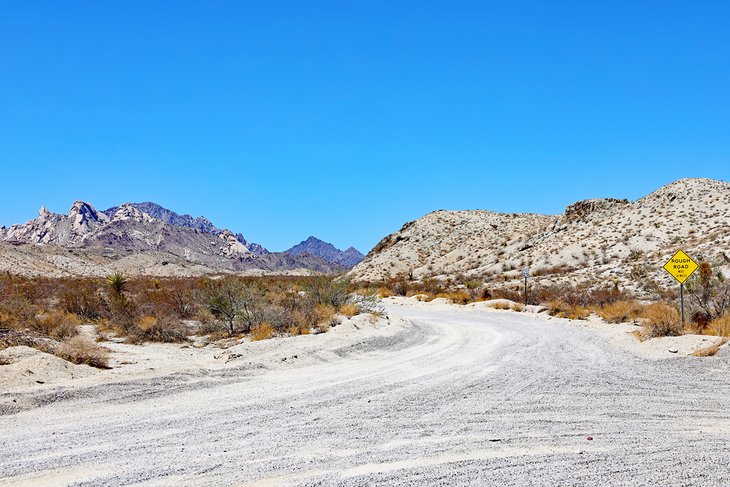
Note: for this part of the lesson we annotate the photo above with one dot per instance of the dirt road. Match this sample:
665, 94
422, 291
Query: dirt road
454, 398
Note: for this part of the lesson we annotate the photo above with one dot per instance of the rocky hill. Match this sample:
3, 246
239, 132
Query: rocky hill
595, 241
128, 238
318, 248
200, 223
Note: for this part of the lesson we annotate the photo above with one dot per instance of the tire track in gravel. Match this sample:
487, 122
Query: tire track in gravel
457, 398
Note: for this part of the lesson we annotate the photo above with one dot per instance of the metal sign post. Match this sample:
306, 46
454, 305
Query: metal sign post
526, 274
680, 267
681, 300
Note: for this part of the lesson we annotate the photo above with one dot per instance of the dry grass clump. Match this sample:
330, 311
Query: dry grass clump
561, 309
385, 292
660, 319
507, 305
57, 324
349, 310
719, 326
262, 332
151, 329
297, 329
81, 350
457, 297
323, 313
711, 350
620, 311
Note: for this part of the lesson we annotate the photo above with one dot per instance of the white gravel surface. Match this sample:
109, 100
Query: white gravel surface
467, 397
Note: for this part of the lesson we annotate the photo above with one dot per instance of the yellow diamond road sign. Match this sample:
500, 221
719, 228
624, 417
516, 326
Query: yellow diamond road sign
681, 266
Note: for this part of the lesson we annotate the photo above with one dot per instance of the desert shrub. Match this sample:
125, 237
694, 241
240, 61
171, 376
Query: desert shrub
719, 326
349, 310
507, 305
298, 329
661, 319
367, 304
17, 312
262, 331
501, 293
278, 317
171, 297
164, 329
709, 294
57, 324
233, 302
431, 286
385, 292
28, 338
323, 313
708, 351
81, 350
620, 311
400, 287
325, 290
82, 298
458, 297
561, 309
117, 283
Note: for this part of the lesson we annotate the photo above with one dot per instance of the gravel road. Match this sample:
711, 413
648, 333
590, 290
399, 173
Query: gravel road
452, 398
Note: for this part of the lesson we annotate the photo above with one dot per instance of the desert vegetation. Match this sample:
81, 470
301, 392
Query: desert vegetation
47, 314
707, 300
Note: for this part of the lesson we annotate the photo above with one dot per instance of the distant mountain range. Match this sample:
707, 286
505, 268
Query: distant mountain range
147, 231
318, 248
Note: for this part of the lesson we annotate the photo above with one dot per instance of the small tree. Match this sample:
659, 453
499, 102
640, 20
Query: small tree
232, 302
709, 293
329, 291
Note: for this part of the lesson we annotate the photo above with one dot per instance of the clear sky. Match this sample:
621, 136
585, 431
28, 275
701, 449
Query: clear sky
345, 119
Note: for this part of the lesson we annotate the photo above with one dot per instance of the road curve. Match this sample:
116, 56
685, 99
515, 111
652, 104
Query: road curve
455, 398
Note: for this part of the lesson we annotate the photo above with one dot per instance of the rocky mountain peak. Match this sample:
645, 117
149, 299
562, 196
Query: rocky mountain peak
319, 248
43, 213
84, 218
129, 212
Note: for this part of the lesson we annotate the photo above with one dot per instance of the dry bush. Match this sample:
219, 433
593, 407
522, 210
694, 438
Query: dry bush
349, 310
81, 350
164, 329
323, 313
458, 297
262, 332
296, 329
709, 351
507, 305
57, 324
719, 326
385, 292
82, 298
569, 311
620, 311
17, 312
15, 338
661, 319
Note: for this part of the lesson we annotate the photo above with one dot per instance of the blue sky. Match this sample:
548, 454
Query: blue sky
346, 119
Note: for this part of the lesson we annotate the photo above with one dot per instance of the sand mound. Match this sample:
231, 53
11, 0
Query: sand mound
28, 367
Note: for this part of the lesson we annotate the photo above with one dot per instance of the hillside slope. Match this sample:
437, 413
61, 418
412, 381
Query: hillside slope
595, 241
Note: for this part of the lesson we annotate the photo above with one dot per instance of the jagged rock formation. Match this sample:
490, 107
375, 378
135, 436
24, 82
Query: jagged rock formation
128, 237
318, 248
596, 241
200, 223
